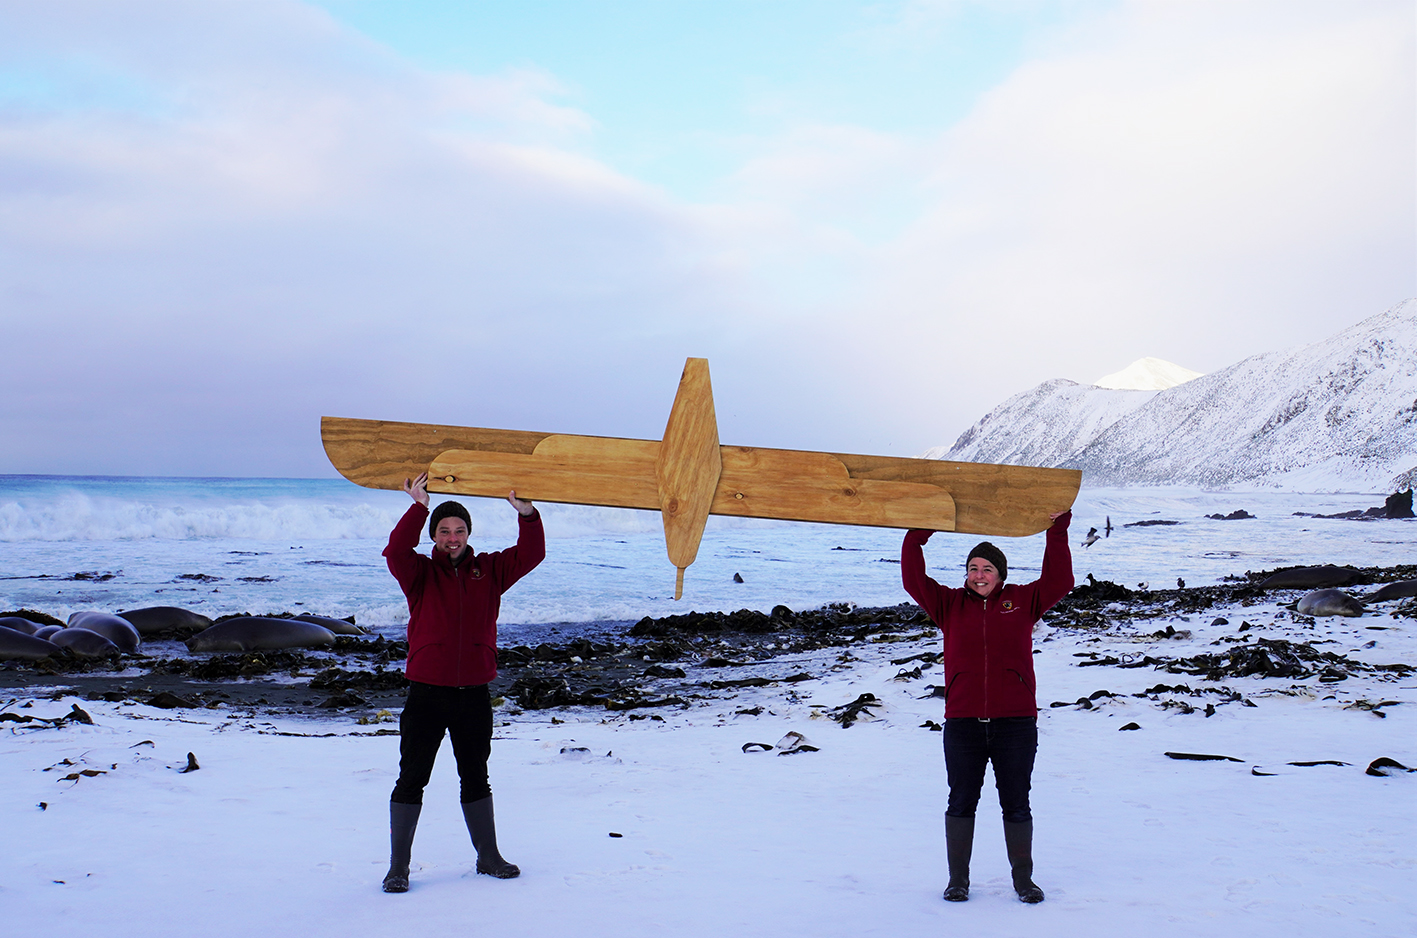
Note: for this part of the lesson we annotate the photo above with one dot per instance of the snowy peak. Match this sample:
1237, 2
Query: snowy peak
1338, 414
1147, 374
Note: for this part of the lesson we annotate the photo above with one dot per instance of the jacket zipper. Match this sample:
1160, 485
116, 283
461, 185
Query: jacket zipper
984, 629
457, 572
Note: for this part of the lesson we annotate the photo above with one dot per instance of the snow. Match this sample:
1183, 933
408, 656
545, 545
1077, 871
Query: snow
1147, 374
1336, 415
287, 834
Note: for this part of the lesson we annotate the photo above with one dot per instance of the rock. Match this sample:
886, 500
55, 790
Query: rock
169, 701
1398, 505
1385, 766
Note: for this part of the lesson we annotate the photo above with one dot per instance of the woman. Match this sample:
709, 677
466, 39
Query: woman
991, 713
454, 595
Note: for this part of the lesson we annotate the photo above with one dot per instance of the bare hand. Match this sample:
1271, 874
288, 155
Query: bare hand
417, 489
1055, 515
524, 508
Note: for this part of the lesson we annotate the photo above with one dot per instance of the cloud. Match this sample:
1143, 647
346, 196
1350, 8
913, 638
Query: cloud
220, 221
1197, 182
294, 222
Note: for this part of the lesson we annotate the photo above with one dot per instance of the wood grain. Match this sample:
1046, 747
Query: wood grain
793, 485
577, 470
990, 500
688, 466
380, 454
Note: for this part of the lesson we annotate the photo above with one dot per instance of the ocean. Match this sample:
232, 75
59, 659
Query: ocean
221, 546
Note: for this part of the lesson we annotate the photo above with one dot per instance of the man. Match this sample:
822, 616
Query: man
991, 712
454, 595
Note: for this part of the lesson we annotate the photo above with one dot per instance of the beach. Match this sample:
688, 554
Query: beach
283, 827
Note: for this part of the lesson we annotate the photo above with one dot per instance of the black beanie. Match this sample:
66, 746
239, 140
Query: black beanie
992, 554
449, 510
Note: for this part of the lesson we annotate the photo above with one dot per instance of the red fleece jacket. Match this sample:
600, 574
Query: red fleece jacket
989, 642
452, 611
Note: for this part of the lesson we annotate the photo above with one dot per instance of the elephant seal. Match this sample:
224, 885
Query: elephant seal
84, 644
117, 630
338, 626
16, 624
45, 631
154, 619
24, 646
258, 633
1399, 590
1328, 603
1310, 578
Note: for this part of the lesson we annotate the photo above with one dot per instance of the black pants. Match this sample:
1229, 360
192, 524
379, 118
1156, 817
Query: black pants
465, 713
970, 744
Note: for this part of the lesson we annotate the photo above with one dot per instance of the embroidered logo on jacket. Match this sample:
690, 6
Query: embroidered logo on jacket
1008, 606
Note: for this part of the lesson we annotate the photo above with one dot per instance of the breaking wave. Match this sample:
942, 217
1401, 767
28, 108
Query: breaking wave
82, 517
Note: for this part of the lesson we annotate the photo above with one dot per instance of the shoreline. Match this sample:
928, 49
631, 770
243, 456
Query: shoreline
682, 661
813, 804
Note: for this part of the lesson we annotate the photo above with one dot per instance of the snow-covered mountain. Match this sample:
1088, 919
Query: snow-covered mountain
1147, 374
1338, 414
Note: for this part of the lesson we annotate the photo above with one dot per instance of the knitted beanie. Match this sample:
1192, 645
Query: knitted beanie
449, 510
989, 552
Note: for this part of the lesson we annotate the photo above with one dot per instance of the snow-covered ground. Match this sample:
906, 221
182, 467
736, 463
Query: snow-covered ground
287, 834
283, 830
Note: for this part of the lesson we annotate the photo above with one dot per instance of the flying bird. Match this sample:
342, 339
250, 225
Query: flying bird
1091, 538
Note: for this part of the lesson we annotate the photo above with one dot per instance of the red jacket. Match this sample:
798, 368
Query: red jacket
989, 642
452, 611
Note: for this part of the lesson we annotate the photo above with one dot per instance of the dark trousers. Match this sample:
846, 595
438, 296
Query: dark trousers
970, 744
465, 713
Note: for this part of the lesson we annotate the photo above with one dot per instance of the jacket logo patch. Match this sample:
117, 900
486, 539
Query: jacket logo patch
1008, 605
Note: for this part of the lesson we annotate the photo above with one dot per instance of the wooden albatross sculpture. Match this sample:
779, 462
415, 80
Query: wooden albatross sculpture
688, 475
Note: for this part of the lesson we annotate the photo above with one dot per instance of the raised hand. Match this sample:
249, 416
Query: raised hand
524, 508
417, 489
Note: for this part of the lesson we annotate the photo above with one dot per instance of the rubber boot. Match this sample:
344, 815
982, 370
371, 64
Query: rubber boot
482, 827
403, 821
959, 845
1018, 841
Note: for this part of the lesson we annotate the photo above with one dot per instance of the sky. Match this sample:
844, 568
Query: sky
219, 222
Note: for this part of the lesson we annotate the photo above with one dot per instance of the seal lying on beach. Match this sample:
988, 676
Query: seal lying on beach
1399, 590
153, 619
117, 630
84, 643
257, 633
17, 624
1328, 603
338, 626
1310, 578
22, 645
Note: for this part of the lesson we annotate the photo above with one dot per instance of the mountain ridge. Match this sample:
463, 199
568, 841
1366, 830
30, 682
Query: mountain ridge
1340, 413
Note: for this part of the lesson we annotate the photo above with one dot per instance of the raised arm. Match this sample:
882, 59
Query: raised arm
1057, 576
401, 554
919, 584
516, 562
